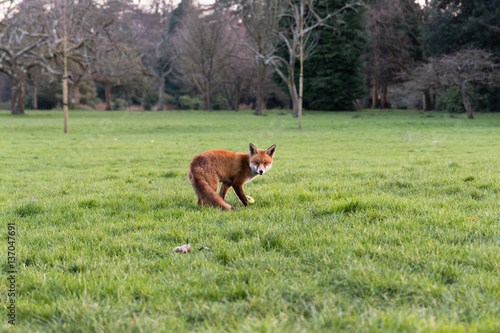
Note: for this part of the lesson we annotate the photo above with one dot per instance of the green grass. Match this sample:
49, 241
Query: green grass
385, 222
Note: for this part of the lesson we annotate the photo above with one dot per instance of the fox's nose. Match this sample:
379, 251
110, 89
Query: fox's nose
261, 172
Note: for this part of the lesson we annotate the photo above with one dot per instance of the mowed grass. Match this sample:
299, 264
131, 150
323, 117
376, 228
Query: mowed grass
368, 222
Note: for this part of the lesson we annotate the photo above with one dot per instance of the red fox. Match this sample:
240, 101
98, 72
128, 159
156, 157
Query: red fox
232, 169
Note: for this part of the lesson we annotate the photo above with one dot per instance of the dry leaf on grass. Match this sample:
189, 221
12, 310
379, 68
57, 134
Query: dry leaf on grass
184, 249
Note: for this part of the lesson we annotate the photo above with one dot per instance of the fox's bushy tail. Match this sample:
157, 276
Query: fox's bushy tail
204, 191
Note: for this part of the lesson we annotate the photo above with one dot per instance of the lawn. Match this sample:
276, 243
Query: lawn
368, 222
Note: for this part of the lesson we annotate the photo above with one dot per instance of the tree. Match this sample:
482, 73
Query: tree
238, 76
393, 46
466, 69
299, 22
452, 25
154, 42
114, 58
21, 39
334, 78
204, 50
68, 29
260, 19
469, 68
424, 78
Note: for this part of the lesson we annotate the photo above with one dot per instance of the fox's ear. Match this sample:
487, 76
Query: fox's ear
271, 150
253, 150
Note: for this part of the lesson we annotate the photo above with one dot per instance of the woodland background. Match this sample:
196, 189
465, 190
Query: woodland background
240, 54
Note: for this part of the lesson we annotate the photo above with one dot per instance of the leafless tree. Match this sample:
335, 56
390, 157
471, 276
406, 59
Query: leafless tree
114, 60
155, 43
238, 76
468, 68
204, 50
389, 23
261, 19
465, 69
69, 27
425, 79
21, 41
299, 42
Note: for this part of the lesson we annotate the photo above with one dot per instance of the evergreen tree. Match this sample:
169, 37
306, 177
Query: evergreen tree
452, 25
333, 80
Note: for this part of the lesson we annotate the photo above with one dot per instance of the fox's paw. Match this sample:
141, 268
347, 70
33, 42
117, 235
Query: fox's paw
227, 207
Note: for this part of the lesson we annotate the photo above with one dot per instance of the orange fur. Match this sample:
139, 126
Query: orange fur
231, 169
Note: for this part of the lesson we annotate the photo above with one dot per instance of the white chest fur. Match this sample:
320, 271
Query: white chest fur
253, 175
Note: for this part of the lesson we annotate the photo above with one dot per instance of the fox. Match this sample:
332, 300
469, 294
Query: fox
232, 169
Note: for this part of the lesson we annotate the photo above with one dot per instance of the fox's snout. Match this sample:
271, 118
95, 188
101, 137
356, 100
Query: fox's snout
261, 172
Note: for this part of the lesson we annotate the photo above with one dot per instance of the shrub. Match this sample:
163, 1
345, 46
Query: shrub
88, 92
197, 103
120, 104
150, 100
190, 103
451, 100
219, 102
185, 102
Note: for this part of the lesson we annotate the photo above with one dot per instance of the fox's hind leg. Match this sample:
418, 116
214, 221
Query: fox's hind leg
223, 190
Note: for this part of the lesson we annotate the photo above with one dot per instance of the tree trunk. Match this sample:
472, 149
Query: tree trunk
261, 75
161, 89
376, 93
301, 59
237, 99
107, 94
65, 94
367, 100
208, 100
18, 92
426, 101
231, 96
384, 99
293, 95
34, 100
465, 100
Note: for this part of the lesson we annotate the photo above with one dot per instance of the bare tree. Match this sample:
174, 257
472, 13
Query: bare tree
204, 50
68, 28
391, 25
261, 19
114, 59
299, 42
237, 76
118, 64
468, 68
155, 43
21, 39
425, 79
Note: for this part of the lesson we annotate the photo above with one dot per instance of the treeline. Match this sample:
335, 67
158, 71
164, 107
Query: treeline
250, 53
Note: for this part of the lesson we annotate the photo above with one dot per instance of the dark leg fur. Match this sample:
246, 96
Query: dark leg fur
241, 195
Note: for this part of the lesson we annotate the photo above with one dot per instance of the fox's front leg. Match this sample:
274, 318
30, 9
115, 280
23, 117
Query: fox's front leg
239, 192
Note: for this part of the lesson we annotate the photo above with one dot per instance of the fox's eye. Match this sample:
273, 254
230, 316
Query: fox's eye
256, 163
265, 163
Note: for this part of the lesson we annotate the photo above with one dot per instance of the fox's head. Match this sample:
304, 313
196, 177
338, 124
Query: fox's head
261, 160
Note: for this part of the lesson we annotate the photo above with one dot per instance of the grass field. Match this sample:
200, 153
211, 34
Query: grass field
368, 222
